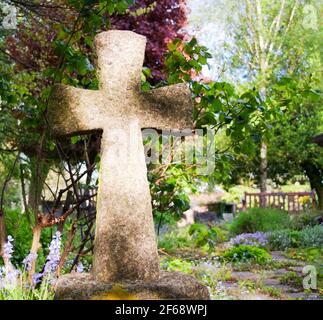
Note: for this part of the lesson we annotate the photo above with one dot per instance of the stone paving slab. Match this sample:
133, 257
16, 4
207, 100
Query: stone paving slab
245, 275
271, 282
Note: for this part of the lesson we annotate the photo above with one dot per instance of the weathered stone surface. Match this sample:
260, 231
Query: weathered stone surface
245, 275
119, 100
271, 282
170, 285
125, 246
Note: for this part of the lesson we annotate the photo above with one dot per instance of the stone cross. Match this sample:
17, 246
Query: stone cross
125, 245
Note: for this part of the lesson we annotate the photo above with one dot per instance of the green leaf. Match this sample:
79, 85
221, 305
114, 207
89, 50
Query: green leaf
75, 139
217, 105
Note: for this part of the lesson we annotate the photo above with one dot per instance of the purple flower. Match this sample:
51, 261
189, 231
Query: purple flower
54, 254
32, 256
36, 278
80, 268
8, 279
8, 248
252, 239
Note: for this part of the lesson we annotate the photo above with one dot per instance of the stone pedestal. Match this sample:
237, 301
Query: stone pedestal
170, 285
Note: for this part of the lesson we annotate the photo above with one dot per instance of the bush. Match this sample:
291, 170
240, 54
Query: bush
283, 239
312, 236
259, 219
197, 236
221, 233
245, 253
313, 255
303, 220
174, 240
203, 235
307, 238
176, 264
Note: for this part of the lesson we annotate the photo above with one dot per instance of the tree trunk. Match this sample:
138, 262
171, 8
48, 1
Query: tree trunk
263, 167
38, 178
263, 146
35, 246
320, 197
315, 175
263, 172
3, 234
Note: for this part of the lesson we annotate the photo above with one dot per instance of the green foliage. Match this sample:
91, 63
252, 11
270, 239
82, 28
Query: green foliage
238, 118
283, 239
272, 291
203, 235
183, 58
23, 291
244, 253
312, 236
259, 219
174, 240
176, 264
197, 236
302, 220
301, 118
19, 228
314, 255
308, 237
291, 278
169, 194
222, 234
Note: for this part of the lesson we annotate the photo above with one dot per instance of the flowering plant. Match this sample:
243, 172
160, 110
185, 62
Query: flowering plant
258, 239
15, 283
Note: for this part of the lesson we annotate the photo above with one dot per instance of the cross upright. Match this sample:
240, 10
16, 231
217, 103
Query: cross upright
125, 244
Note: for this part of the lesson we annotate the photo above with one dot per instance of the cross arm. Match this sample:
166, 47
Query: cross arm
73, 110
169, 107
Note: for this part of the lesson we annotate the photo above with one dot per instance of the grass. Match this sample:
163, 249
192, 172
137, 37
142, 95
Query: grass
21, 290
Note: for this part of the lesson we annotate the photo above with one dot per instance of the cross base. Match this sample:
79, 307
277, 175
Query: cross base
170, 285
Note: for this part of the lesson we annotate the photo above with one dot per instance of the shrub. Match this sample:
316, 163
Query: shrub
245, 253
197, 236
258, 239
174, 240
313, 255
306, 238
259, 219
203, 235
176, 264
283, 239
312, 236
303, 220
221, 233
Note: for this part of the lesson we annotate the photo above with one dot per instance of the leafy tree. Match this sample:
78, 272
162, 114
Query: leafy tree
267, 40
291, 145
